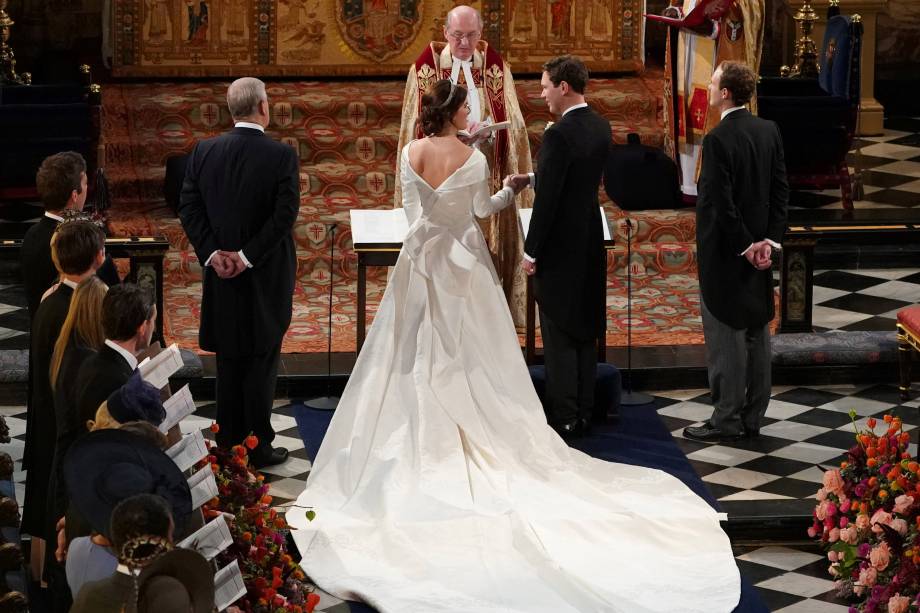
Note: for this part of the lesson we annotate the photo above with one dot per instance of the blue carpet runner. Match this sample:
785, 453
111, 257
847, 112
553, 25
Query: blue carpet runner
637, 437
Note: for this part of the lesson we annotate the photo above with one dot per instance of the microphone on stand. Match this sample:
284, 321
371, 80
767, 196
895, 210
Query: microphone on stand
328, 402
629, 397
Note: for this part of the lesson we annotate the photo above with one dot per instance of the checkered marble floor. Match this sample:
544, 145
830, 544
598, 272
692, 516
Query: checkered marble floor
889, 165
805, 431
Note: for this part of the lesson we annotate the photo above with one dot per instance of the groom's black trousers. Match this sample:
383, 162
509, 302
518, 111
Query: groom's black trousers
245, 393
571, 369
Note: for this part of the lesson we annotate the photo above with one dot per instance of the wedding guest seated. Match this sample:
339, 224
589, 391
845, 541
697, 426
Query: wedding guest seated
61, 183
78, 249
151, 575
136, 400
128, 320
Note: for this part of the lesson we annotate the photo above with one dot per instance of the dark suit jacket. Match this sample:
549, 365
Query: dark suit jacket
40, 421
99, 376
38, 271
565, 234
742, 199
68, 426
242, 191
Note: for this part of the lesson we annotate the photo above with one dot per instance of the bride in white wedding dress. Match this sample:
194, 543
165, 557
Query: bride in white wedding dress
439, 486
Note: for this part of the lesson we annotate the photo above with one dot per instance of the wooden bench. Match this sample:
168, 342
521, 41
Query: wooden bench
908, 344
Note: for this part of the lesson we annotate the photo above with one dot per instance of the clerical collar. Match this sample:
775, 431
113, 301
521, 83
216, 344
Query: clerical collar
726, 112
251, 126
472, 98
127, 355
56, 218
580, 105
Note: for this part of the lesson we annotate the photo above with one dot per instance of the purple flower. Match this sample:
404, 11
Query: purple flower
863, 550
860, 490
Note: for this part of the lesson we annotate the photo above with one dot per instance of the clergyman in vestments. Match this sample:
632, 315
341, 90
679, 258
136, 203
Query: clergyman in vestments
736, 35
465, 58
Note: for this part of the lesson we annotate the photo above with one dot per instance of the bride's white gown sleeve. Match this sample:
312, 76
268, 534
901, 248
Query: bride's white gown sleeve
439, 486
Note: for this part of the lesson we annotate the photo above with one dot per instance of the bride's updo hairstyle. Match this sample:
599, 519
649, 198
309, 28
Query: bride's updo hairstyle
439, 106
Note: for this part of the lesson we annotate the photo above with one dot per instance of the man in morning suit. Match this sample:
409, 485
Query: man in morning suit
61, 183
238, 205
740, 220
78, 249
128, 319
564, 249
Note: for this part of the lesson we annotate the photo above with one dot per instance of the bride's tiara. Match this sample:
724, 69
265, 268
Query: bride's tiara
453, 88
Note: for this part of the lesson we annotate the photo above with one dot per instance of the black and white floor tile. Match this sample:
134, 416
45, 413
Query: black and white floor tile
889, 167
806, 431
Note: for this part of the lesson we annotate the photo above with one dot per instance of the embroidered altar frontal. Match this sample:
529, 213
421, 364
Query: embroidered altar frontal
330, 38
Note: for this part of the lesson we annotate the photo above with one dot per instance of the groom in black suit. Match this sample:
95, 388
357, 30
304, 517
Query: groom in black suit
238, 205
740, 221
564, 249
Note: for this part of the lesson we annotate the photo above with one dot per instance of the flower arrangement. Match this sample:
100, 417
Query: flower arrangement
275, 583
868, 521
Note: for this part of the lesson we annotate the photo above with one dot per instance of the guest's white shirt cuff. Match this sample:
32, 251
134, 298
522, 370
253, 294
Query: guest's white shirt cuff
530, 259
207, 262
531, 176
773, 244
243, 257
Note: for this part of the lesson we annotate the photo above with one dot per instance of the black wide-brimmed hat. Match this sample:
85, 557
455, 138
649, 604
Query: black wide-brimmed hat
189, 568
104, 467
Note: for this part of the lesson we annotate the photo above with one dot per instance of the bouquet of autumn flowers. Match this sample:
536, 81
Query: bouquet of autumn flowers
275, 583
868, 520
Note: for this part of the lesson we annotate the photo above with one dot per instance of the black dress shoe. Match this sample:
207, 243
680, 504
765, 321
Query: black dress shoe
269, 457
568, 429
586, 426
751, 432
709, 434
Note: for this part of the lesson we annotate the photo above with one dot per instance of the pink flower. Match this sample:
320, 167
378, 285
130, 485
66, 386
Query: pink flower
821, 511
867, 577
832, 570
880, 517
833, 483
845, 505
902, 503
812, 532
831, 509
849, 535
900, 525
832, 556
822, 494
880, 556
844, 521
898, 604
834, 535
862, 521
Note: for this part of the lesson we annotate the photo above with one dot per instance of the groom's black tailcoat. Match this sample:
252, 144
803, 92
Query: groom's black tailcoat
565, 235
242, 192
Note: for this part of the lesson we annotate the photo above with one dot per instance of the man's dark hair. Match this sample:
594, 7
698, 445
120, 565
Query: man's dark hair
75, 244
567, 68
439, 105
124, 308
739, 80
57, 177
138, 516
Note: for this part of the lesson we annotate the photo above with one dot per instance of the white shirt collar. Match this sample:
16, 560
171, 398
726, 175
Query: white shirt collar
247, 124
57, 218
580, 105
127, 355
731, 110
69, 283
124, 570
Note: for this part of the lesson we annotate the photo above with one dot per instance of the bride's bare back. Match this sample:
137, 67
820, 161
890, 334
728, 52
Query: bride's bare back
436, 158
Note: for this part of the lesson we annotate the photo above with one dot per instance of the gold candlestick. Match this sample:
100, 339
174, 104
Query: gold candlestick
806, 54
7, 57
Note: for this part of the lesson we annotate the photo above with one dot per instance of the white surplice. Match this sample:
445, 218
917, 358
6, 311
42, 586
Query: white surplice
439, 486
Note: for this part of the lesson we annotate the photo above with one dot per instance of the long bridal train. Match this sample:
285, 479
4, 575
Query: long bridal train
439, 486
